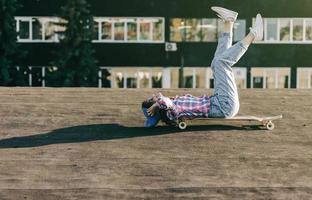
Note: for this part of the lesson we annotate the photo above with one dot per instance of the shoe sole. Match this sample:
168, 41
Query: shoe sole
216, 8
259, 19
259, 23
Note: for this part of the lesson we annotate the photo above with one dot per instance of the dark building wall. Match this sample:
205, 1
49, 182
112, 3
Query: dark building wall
175, 8
195, 54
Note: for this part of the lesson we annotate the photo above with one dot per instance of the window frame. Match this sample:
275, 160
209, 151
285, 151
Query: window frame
291, 28
184, 26
126, 20
30, 20
309, 79
276, 75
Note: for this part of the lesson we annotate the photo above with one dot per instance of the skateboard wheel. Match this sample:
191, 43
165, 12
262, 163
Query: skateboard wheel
182, 125
270, 126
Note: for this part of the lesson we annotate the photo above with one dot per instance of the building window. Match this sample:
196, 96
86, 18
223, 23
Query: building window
23, 29
287, 30
107, 28
240, 75
157, 76
304, 77
136, 77
201, 30
239, 30
129, 29
119, 30
158, 30
271, 30
193, 30
132, 34
202, 77
270, 77
297, 29
208, 30
284, 29
177, 30
38, 29
145, 30
308, 29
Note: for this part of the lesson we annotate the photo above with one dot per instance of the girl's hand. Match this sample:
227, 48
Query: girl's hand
151, 110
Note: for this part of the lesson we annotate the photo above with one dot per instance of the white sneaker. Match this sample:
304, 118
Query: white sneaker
257, 29
225, 14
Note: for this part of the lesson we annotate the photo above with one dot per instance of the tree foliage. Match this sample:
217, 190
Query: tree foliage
10, 54
76, 63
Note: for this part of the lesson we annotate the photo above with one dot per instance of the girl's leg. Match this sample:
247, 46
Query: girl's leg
225, 101
226, 38
232, 55
225, 92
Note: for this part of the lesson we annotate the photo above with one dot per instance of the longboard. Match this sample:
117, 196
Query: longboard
266, 122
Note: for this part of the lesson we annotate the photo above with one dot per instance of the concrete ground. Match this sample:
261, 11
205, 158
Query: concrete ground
90, 144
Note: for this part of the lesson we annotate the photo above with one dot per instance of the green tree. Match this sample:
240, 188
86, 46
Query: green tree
76, 63
10, 54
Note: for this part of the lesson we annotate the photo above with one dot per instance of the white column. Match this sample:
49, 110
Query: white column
138, 30
278, 30
276, 78
309, 79
304, 29
43, 76
289, 78
150, 81
291, 30
43, 30
151, 31
194, 77
113, 80
100, 78
298, 85
17, 28
126, 30
113, 30
30, 77
138, 79
245, 79
30, 29
166, 79
125, 75
99, 30
207, 78
251, 78
264, 78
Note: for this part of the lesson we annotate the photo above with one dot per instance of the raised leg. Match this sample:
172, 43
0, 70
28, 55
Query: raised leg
225, 91
225, 101
226, 38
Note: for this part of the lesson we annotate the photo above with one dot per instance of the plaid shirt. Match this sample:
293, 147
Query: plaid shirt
185, 106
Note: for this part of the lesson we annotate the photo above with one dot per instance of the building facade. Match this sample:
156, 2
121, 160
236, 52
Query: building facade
144, 44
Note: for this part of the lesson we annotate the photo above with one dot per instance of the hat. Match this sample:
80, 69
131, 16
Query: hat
151, 120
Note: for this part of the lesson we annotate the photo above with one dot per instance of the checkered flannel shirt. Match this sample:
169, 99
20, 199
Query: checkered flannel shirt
185, 106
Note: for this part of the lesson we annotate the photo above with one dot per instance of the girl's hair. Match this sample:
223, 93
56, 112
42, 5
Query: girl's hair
161, 112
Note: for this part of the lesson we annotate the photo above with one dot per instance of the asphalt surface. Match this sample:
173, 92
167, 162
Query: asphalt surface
91, 144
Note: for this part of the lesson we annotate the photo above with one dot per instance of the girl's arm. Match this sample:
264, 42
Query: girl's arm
162, 102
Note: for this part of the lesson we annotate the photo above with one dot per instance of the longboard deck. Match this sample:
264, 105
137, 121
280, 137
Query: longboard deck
266, 121
245, 118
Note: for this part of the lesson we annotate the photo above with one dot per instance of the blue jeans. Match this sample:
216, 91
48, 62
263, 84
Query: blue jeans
224, 103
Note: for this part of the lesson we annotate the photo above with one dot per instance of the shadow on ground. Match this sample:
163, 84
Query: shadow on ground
86, 133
